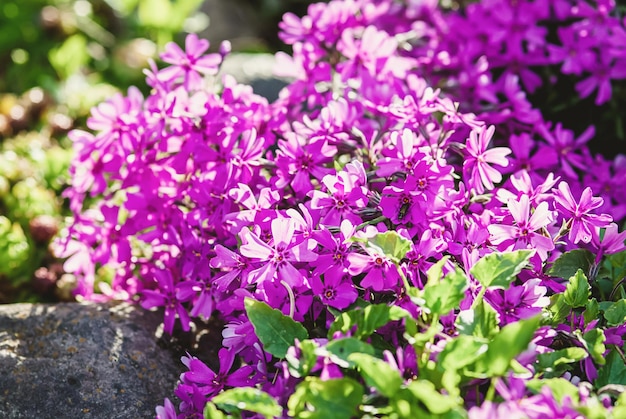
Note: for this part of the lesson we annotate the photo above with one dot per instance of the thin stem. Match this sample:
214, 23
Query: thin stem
292, 298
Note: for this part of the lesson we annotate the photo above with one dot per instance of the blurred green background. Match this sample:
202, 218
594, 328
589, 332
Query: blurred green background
58, 58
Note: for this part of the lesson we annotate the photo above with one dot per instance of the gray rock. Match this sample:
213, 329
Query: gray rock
82, 361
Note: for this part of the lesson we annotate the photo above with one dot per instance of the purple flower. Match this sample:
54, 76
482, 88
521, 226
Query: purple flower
578, 214
169, 296
189, 64
381, 273
527, 232
209, 382
167, 411
518, 302
337, 291
277, 258
477, 169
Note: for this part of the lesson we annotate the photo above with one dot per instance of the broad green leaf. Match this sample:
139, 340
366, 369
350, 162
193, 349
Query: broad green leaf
560, 388
498, 270
480, 321
343, 348
558, 309
212, 412
591, 312
377, 373
613, 372
616, 314
330, 399
434, 272
250, 399
391, 244
578, 290
462, 351
276, 331
593, 340
426, 393
366, 320
443, 296
549, 361
301, 364
512, 340
570, 262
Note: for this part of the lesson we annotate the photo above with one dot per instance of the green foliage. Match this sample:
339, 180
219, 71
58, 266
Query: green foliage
276, 331
570, 262
498, 270
578, 290
248, 399
330, 399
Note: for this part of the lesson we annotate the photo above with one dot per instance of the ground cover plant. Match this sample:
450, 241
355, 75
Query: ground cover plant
403, 233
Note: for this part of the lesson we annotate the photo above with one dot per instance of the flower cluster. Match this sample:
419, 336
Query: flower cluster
203, 196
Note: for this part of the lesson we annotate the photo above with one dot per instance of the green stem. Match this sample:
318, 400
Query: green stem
292, 298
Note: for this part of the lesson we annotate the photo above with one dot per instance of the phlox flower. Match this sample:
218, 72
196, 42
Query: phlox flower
277, 258
171, 297
525, 233
342, 197
612, 240
579, 214
337, 291
477, 169
190, 63
371, 50
518, 301
381, 273
167, 411
210, 382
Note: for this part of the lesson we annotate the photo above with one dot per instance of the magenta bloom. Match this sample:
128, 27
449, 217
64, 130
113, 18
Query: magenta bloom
278, 257
579, 213
334, 290
189, 64
477, 169
526, 233
382, 273
210, 382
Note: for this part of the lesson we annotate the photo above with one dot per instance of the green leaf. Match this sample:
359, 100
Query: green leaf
570, 262
330, 399
434, 272
301, 364
498, 270
212, 412
549, 361
443, 296
578, 290
391, 244
426, 393
343, 348
593, 340
276, 331
615, 315
613, 372
249, 399
560, 388
558, 309
377, 373
366, 320
512, 340
591, 312
462, 351
480, 321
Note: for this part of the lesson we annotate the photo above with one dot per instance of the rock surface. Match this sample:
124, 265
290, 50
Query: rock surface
82, 361
256, 70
